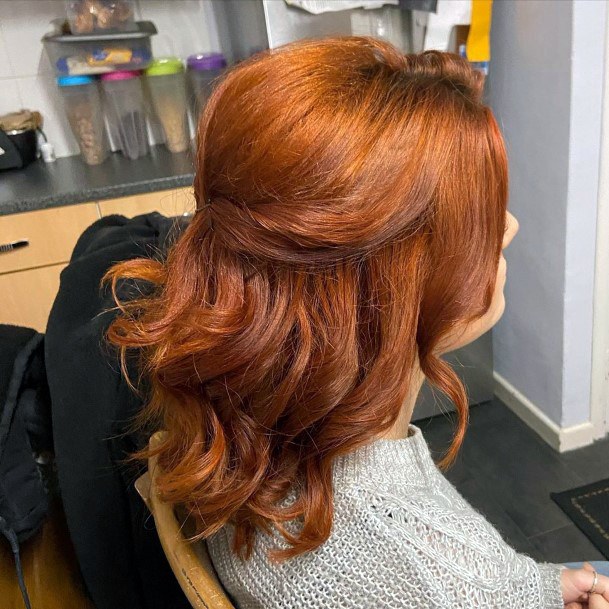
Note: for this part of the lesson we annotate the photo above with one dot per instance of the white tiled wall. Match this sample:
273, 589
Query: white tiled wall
182, 26
26, 75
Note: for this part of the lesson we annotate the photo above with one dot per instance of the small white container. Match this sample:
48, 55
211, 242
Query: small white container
124, 102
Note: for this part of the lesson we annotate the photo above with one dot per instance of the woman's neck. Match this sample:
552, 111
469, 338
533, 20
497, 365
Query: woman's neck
399, 429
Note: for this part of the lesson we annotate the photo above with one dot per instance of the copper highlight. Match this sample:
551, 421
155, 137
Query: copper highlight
358, 199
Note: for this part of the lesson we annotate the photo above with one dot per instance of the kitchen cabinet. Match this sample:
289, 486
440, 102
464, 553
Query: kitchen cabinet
51, 234
26, 297
168, 202
29, 276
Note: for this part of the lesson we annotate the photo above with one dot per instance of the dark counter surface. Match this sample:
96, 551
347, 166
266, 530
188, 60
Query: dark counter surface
69, 180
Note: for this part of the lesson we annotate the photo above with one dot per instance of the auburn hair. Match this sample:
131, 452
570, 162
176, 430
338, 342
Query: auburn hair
350, 211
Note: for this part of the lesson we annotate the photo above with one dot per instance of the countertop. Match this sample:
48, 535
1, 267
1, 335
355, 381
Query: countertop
69, 180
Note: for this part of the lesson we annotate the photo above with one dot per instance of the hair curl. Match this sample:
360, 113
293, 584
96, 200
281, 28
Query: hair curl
358, 198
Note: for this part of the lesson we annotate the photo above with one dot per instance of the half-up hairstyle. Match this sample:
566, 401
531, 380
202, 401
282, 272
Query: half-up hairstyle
351, 205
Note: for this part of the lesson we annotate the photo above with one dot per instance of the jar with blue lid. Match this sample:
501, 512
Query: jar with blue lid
83, 108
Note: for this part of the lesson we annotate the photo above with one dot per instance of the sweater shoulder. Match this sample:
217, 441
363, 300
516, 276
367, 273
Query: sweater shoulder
392, 544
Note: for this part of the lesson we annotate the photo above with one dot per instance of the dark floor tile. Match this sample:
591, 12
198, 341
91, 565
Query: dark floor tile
519, 469
523, 488
507, 472
566, 544
479, 498
590, 463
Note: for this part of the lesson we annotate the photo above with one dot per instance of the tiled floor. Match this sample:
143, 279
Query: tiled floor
506, 471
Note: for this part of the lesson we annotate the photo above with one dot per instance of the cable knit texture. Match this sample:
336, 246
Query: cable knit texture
402, 537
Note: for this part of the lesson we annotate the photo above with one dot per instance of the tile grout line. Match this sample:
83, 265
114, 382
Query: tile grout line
564, 526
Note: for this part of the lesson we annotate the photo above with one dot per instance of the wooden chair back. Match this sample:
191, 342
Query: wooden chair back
190, 562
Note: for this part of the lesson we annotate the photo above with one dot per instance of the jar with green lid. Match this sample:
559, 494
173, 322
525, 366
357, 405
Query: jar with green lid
167, 86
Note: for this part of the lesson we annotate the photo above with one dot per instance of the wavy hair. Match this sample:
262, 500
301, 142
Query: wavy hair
351, 205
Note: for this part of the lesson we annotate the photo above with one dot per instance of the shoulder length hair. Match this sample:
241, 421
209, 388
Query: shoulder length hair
350, 210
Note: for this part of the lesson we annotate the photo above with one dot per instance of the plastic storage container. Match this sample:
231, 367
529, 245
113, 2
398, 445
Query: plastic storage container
124, 102
203, 69
167, 86
88, 16
83, 108
80, 54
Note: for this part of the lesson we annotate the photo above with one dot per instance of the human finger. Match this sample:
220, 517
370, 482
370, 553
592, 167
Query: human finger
597, 601
602, 581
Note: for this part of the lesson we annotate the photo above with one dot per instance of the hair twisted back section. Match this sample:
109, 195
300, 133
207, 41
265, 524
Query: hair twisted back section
358, 201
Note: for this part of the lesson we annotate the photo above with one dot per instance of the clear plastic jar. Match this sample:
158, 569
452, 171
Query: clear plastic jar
203, 69
124, 102
84, 112
88, 16
100, 53
167, 85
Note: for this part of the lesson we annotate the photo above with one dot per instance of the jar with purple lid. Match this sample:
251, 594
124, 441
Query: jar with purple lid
203, 69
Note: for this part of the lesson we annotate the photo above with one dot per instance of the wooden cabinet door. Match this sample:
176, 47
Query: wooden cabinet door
51, 235
26, 297
174, 202
29, 276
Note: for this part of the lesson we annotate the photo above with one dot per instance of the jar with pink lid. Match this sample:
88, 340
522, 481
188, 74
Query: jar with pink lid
124, 103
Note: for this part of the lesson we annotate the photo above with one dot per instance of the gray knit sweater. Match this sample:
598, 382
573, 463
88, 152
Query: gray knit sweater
403, 537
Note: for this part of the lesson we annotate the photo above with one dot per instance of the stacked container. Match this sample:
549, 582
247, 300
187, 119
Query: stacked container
203, 69
167, 85
100, 53
88, 16
84, 111
124, 100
